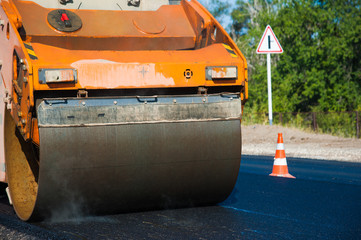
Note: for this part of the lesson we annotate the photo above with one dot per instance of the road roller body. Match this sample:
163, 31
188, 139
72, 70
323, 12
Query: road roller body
117, 106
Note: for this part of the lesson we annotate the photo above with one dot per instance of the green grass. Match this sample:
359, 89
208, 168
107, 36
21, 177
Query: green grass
341, 124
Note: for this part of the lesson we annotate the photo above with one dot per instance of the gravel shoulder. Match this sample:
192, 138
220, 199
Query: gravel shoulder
262, 140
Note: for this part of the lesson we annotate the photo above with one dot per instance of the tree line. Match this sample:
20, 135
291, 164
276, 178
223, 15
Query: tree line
320, 69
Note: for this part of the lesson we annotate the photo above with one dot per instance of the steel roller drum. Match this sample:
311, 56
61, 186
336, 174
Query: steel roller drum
101, 156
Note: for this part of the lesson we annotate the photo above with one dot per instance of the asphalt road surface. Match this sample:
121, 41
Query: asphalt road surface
323, 202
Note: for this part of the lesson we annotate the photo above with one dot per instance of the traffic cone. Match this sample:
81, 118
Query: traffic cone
280, 168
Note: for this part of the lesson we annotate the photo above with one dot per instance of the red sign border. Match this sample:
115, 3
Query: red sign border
264, 35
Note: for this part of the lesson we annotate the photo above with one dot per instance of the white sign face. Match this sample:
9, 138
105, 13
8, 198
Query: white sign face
269, 42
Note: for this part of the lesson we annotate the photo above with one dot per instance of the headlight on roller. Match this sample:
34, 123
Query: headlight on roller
57, 76
222, 73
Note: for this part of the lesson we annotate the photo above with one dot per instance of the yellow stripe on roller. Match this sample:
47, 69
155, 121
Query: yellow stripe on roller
227, 47
31, 52
230, 51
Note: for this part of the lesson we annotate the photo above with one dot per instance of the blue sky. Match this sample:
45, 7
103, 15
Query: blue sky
226, 20
204, 2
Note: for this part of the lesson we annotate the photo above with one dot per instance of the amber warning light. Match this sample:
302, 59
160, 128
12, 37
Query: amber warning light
221, 73
57, 76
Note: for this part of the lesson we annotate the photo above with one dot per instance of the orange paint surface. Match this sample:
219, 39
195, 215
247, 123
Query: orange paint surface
136, 69
35, 132
117, 50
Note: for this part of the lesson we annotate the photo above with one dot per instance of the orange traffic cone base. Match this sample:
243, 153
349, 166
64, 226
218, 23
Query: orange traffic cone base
287, 175
281, 171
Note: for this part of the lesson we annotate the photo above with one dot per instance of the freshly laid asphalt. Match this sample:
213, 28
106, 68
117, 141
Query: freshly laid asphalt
323, 202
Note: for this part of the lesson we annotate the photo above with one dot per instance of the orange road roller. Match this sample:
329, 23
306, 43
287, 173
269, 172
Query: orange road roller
117, 106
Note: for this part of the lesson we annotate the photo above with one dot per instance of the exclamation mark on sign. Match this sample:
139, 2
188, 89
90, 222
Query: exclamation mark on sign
269, 42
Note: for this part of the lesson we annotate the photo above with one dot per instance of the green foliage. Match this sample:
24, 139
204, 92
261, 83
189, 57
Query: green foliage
320, 69
343, 124
335, 123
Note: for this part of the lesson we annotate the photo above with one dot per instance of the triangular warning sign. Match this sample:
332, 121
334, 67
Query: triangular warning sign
269, 42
